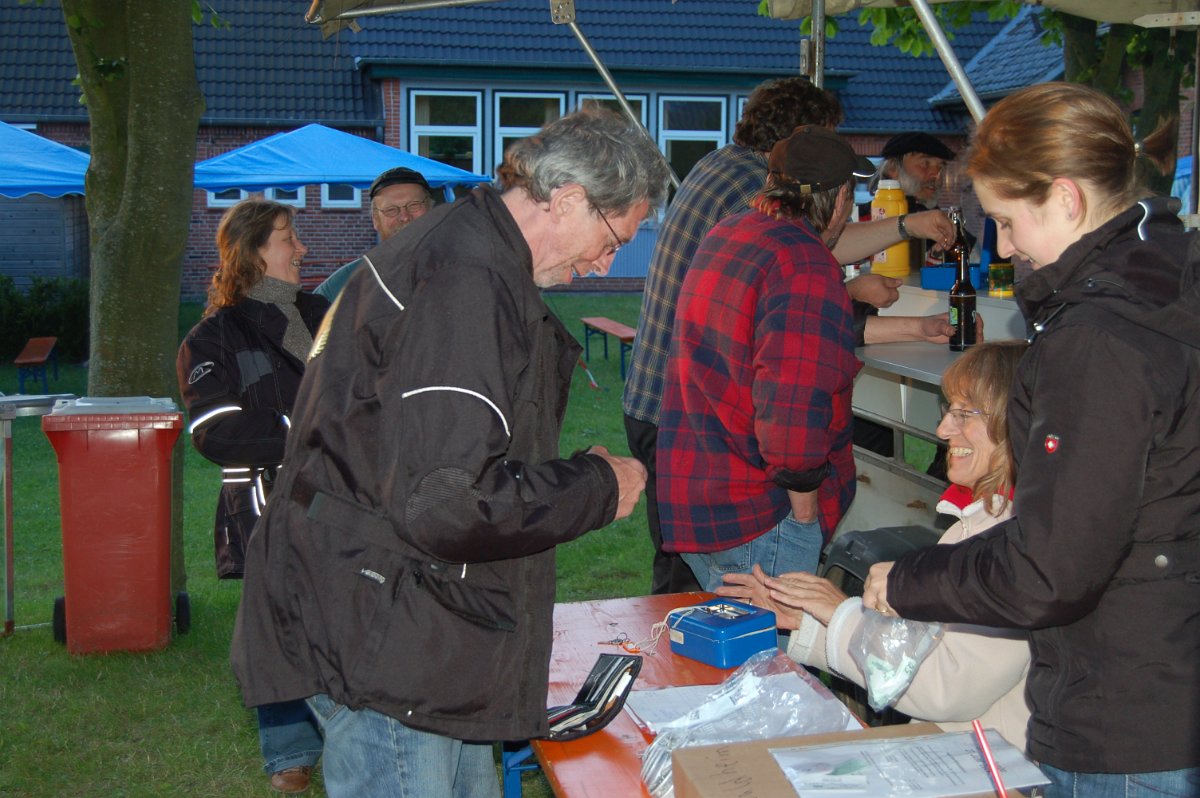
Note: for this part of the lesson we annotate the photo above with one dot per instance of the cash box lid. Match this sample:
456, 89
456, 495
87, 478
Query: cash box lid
721, 632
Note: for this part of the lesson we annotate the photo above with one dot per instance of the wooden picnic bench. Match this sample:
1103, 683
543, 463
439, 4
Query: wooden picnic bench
32, 361
604, 327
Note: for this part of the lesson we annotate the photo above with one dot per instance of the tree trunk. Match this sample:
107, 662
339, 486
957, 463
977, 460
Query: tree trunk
1079, 48
1161, 75
138, 74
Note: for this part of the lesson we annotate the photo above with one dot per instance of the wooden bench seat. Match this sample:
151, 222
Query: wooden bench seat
604, 327
32, 361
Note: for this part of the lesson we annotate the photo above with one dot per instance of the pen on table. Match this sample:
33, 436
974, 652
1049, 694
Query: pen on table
993, 769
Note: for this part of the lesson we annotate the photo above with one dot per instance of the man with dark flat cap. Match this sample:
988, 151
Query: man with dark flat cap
398, 196
916, 159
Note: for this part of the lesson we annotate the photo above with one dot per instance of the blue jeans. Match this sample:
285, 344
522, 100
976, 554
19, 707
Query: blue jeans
789, 546
368, 753
288, 736
1162, 784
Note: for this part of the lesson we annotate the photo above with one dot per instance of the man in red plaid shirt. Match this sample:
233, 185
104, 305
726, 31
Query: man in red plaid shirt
754, 444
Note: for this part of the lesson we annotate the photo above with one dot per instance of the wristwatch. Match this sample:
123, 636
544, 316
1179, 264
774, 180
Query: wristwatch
907, 236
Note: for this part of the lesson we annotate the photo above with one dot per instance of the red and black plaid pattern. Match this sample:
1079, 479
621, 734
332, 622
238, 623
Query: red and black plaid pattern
758, 385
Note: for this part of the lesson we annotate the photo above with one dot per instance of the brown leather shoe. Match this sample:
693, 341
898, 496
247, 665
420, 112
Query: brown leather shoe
292, 780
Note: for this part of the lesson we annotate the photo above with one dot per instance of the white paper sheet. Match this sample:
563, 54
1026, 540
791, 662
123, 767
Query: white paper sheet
937, 766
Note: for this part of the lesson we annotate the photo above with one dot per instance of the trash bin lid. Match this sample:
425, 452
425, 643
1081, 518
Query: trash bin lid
110, 405
13, 405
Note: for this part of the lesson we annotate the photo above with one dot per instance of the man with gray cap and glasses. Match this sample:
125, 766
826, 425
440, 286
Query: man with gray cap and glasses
398, 196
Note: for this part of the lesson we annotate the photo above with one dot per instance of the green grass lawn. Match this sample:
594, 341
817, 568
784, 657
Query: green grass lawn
170, 722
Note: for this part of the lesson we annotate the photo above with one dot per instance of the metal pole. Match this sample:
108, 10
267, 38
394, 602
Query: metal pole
942, 45
1192, 219
414, 5
818, 39
612, 86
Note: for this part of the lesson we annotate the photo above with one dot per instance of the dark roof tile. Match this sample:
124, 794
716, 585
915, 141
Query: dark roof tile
270, 65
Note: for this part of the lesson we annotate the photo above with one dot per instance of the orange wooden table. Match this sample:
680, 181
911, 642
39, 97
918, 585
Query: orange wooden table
608, 763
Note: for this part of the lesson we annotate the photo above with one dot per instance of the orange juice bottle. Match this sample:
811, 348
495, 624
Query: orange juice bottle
889, 201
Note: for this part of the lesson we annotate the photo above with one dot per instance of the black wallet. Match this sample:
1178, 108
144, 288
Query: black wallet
599, 700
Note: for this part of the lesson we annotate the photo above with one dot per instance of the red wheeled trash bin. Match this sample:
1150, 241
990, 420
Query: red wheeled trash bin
114, 473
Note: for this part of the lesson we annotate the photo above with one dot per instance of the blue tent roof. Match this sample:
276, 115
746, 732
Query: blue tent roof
31, 164
318, 154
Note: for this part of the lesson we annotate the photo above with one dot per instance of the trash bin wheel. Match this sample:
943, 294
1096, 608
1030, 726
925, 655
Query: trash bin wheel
183, 613
60, 620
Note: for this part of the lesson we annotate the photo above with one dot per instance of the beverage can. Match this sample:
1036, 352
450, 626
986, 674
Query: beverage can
889, 201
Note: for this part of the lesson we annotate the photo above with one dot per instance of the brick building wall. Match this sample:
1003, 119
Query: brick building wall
333, 235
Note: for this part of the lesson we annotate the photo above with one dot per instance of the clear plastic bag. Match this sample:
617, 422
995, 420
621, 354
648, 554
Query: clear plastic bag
889, 651
759, 700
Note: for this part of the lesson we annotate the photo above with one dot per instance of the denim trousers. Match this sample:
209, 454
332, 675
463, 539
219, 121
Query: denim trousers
1161, 784
368, 753
789, 546
288, 736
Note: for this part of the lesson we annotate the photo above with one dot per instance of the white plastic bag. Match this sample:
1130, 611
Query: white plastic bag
889, 651
759, 700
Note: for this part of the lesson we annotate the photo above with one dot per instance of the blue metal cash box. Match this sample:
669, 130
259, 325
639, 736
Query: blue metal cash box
721, 632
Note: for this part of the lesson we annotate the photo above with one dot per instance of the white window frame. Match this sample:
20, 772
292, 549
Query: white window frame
719, 138
217, 202
582, 97
354, 204
500, 131
299, 202
416, 131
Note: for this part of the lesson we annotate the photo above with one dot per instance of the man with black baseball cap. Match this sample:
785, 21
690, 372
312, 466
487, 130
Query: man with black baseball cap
397, 196
754, 455
916, 159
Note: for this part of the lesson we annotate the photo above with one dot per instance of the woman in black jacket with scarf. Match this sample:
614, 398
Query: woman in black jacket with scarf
239, 372
1101, 560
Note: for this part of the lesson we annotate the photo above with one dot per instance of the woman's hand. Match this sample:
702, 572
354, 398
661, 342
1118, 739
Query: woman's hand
752, 589
875, 589
800, 591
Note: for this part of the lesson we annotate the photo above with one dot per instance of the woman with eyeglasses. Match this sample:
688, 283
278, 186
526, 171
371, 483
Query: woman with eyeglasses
974, 672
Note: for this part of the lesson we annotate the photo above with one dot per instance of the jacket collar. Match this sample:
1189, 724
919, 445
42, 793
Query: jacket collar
1140, 265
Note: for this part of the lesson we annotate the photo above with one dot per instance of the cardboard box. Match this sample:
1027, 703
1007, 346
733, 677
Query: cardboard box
748, 770
722, 632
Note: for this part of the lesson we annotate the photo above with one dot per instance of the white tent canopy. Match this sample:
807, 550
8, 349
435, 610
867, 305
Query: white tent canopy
1127, 11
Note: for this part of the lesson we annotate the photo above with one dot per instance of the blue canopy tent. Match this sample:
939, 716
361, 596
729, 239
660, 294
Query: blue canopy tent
1182, 185
31, 164
317, 154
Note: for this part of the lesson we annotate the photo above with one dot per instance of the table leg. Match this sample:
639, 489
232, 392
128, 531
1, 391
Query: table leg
514, 761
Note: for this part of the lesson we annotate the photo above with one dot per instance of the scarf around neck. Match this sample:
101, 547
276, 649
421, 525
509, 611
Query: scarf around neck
296, 338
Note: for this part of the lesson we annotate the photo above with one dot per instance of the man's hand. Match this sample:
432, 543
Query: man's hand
875, 289
631, 479
932, 225
933, 329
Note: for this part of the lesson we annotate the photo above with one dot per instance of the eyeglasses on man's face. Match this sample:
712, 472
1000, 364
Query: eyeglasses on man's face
410, 208
960, 415
614, 248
